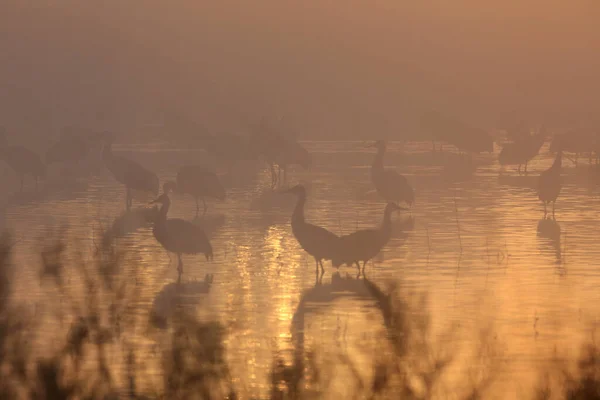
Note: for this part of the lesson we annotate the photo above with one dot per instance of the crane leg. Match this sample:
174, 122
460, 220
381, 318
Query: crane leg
128, 199
279, 175
358, 267
545, 209
363, 269
179, 267
553, 206
317, 266
273, 176
322, 269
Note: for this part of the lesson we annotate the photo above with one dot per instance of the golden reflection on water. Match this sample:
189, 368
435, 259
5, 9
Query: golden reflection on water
479, 248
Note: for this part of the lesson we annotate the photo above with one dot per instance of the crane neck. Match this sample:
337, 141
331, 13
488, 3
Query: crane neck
164, 208
378, 162
162, 213
107, 150
558, 161
298, 215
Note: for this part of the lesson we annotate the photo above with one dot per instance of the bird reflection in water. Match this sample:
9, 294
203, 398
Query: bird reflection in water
548, 228
322, 296
175, 296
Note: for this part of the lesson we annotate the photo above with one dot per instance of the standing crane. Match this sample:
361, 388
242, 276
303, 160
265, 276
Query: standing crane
315, 240
278, 150
365, 244
199, 182
390, 185
72, 147
463, 136
177, 235
292, 153
577, 142
550, 183
129, 173
522, 150
22, 160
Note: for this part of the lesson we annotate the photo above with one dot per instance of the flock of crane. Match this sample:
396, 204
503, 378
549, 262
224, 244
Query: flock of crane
184, 237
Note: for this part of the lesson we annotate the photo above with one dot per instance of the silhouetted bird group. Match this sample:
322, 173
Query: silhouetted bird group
279, 152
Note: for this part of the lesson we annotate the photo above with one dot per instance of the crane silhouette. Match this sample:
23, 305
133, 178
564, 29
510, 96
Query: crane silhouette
390, 185
315, 240
279, 151
22, 160
522, 150
72, 147
365, 244
463, 136
550, 183
177, 235
200, 182
577, 142
128, 172
292, 153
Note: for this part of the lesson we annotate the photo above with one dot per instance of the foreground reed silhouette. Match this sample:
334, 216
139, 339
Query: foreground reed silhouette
94, 352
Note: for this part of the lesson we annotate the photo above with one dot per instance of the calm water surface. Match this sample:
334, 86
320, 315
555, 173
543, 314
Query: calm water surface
471, 243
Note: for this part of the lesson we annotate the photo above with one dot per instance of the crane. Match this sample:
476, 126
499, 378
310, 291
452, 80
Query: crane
293, 153
365, 244
315, 240
177, 235
448, 129
22, 160
72, 147
522, 150
550, 183
278, 150
128, 172
576, 141
200, 182
390, 185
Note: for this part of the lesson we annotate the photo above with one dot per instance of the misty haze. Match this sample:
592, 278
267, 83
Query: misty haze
295, 200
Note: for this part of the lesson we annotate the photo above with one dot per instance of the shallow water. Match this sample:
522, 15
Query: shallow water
475, 242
